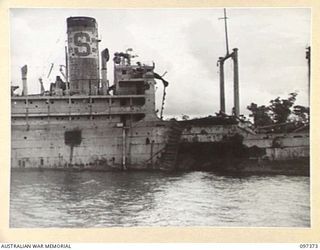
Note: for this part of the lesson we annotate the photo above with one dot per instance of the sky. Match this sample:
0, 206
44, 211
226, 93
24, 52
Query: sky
184, 42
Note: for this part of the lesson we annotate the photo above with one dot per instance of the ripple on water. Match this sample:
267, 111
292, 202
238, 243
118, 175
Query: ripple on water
87, 199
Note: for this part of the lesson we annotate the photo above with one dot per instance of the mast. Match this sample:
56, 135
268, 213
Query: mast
234, 57
225, 29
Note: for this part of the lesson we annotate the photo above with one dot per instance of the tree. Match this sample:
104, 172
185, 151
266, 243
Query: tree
260, 114
280, 114
281, 108
185, 117
302, 114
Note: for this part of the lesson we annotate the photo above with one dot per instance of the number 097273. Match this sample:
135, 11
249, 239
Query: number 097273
308, 246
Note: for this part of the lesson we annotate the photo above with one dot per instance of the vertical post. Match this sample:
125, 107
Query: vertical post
236, 82
109, 106
41, 86
48, 114
67, 70
162, 104
69, 103
90, 105
124, 148
151, 153
308, 57
222, 95
104, 60
71, 156
24, 71
27, 112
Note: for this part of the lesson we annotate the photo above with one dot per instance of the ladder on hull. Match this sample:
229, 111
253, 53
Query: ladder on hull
169, 155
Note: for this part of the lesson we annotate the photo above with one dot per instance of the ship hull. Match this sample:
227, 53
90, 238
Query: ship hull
93, 145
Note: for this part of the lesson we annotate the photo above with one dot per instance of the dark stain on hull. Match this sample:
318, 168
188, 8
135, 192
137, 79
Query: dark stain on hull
232, 156
73, 139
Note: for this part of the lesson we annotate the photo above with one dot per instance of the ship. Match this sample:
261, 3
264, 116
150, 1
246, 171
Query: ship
85, 123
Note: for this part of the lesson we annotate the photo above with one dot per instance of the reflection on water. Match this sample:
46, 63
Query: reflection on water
108, 199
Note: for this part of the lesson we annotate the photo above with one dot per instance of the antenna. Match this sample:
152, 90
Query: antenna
226, 29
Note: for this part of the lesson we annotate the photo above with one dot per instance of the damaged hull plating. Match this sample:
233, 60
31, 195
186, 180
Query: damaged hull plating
83, 132
83, 123
223, 145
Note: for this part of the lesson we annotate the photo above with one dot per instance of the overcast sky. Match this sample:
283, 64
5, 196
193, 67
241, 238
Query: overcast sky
185, 42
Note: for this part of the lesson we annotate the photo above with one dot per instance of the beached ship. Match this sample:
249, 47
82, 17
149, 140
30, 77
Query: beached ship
85, 123
80, 124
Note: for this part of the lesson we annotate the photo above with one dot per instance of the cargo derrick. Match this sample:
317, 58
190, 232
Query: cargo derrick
84, 123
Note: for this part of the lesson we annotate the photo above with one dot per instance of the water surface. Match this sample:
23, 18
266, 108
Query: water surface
109, 199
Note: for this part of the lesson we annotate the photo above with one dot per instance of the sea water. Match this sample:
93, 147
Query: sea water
59, 199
